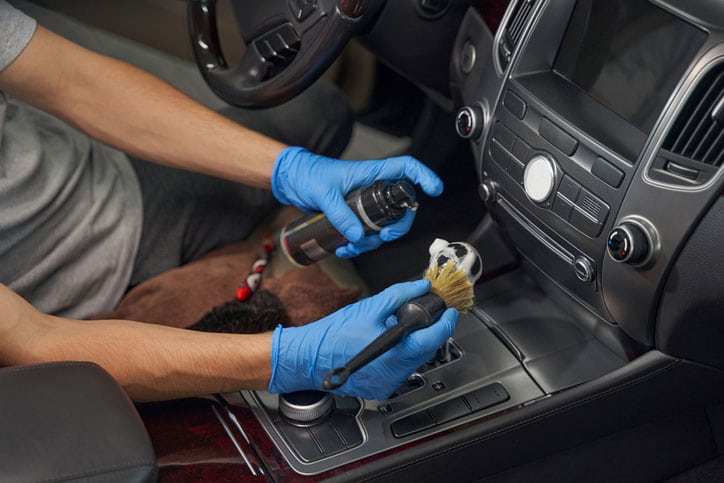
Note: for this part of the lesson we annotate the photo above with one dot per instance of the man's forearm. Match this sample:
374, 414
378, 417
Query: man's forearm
132, 110
151, 362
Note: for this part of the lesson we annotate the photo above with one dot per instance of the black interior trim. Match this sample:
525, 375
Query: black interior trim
70, 421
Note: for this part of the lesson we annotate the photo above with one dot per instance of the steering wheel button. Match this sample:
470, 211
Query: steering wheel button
353, 8
265, 50
288, 34
281, 47
301, 9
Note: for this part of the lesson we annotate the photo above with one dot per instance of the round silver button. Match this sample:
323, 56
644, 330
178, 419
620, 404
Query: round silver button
539, 178
584, 270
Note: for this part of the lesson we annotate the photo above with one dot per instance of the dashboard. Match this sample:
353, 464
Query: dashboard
597, 128
598, 140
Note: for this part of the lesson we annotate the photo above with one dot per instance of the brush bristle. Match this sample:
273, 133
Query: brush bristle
452, 285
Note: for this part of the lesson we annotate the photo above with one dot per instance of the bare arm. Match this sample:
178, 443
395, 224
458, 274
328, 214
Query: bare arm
151, 362
135, 112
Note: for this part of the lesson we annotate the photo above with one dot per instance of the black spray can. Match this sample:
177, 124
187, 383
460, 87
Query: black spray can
312, 237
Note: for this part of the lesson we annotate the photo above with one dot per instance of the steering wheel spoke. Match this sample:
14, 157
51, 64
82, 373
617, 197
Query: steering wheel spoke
290, 43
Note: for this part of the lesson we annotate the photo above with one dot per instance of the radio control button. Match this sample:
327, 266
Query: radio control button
566, 143
569, 188
516, 170
592, 206
515, 105
500, 155
504, 136
607, 172
487, 190
539, 178
585, 272
521, 150
585, 223
562, 207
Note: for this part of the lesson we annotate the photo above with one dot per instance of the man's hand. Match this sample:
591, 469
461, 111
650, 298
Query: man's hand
302, 356
316, 183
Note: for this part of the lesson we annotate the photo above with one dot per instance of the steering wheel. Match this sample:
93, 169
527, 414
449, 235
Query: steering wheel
289, 45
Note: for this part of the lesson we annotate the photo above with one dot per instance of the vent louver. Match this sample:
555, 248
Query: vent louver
698, 132
513, 31
693, 149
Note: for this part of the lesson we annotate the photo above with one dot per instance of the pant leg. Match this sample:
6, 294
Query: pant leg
189, 214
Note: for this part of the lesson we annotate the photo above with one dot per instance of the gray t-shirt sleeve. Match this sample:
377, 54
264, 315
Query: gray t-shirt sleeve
16, 30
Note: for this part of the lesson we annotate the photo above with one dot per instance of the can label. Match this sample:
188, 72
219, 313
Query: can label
314, 250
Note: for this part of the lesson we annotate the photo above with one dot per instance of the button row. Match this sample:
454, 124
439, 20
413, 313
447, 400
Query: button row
568, 145
509, 151
573, 203
580, 207
280, 45
469, 403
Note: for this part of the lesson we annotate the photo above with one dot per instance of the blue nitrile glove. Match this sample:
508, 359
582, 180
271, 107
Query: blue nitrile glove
302, 356
316, 183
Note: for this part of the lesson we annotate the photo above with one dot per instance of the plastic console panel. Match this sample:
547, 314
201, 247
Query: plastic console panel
516, 347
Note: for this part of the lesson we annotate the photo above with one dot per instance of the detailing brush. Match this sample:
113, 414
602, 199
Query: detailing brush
453, 270
252, 310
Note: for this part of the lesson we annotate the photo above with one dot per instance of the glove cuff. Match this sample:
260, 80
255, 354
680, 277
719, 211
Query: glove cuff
276, 337
281, 172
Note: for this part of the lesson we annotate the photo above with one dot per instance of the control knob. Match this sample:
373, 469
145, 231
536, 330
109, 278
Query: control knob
305, 408
469, 122
629, 243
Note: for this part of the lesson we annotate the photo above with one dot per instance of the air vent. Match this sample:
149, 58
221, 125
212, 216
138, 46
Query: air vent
513, 31
698, 133
693, 150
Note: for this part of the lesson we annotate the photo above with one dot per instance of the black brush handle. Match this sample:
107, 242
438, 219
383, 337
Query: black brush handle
416, 314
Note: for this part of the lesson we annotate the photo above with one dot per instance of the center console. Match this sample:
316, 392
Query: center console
515, 348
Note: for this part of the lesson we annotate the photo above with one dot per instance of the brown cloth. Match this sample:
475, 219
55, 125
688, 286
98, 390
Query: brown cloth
182, 296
